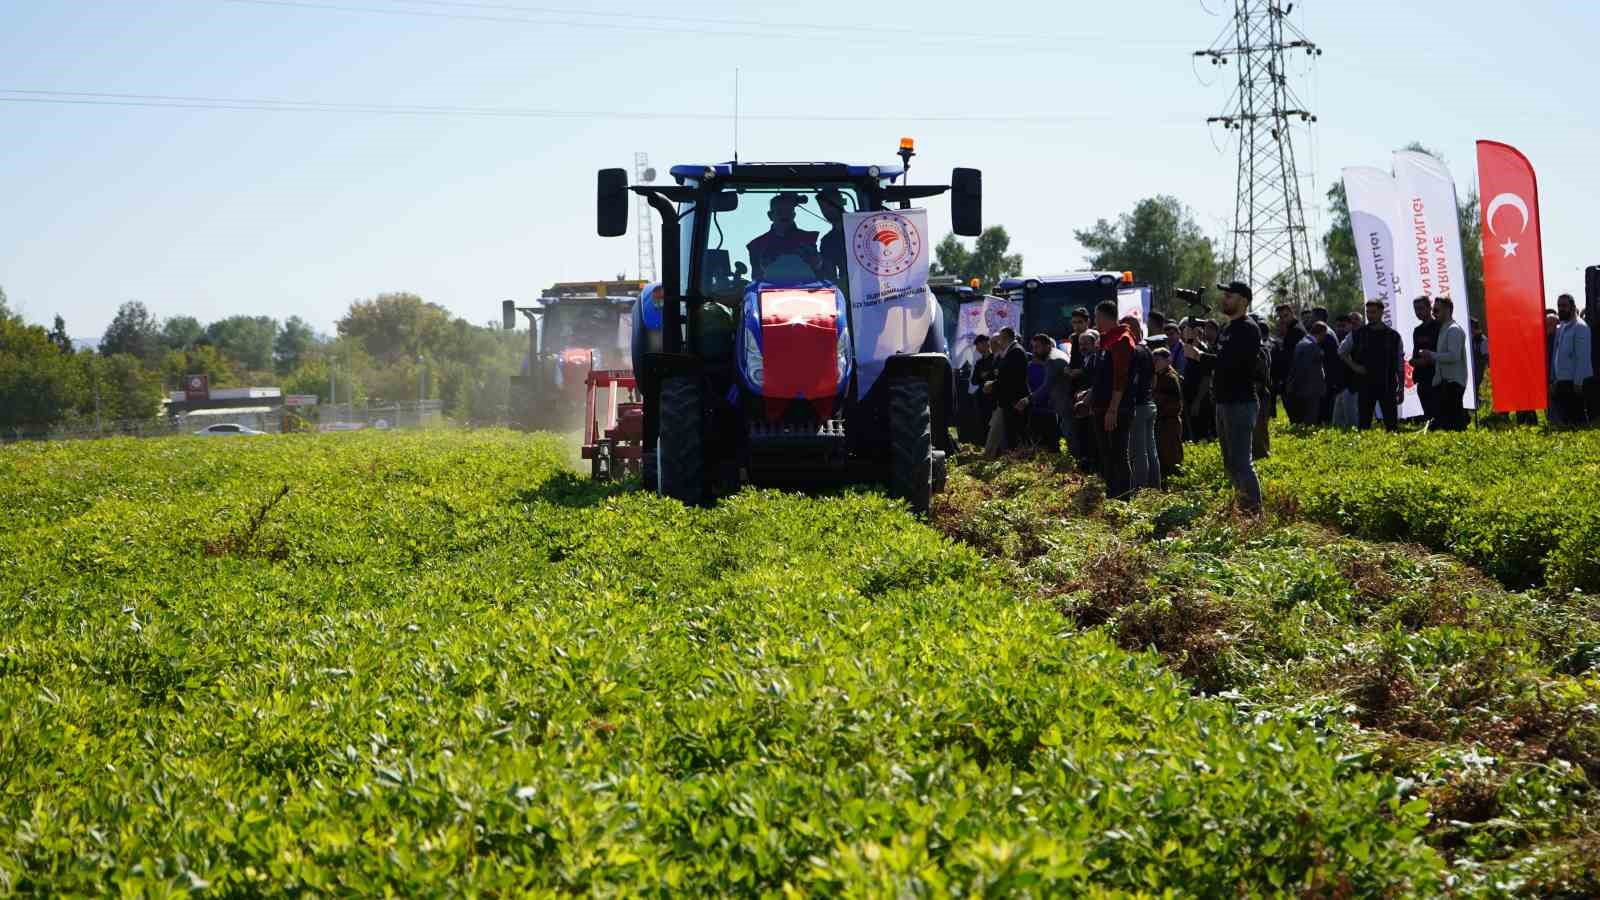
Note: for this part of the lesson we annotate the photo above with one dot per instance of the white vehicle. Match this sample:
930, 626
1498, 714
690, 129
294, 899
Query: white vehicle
228, 428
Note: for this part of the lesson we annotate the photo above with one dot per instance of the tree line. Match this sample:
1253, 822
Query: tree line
388, 348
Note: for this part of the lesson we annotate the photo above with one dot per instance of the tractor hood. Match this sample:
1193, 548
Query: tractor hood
795, 345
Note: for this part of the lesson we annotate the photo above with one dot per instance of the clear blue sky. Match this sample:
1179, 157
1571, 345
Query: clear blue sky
212, 212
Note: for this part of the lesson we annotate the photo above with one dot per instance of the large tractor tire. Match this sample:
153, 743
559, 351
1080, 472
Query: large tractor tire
680, 452
911, 443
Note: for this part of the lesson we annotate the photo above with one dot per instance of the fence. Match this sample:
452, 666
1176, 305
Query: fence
327, 417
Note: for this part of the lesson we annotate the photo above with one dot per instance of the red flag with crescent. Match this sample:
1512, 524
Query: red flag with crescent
800, 349
1513, 277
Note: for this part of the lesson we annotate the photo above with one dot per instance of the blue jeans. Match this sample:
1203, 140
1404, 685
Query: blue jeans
1236, 425
1146, 464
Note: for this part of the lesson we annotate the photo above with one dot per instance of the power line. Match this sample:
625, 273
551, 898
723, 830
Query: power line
877, 29
169, 101
960, 43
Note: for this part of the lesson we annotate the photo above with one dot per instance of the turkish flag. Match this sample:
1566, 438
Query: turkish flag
1513, 277
800, 349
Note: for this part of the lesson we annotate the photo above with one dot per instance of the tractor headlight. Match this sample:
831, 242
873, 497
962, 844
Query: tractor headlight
844, 354
753, 368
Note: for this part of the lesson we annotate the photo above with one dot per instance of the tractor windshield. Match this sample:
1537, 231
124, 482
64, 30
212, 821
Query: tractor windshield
584, 326
782, 235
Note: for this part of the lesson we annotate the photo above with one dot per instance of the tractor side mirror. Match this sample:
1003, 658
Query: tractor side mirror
966, 202
725, 201
612, 202
508, 315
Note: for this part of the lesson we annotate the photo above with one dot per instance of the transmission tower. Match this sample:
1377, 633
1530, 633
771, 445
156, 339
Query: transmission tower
1271, 248
643, 174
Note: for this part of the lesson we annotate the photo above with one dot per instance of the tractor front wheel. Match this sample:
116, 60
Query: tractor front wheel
911, 439
680, 451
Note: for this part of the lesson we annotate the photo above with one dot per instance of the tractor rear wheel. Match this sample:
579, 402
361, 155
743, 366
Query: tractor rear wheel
680, 452
941, 470
911, 443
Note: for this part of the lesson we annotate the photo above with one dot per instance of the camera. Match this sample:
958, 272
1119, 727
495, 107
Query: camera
1194, 299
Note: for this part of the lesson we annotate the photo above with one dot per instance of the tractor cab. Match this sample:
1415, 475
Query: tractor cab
746, 352
1048, 300
573, 328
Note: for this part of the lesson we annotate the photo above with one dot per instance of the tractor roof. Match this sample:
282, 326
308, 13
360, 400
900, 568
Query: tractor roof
798, 170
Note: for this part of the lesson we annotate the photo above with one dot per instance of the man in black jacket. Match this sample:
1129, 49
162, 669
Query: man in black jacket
1333, 367
983, 372
1234, 387
1425, 337
1377, 358
1010, 387
1290, 334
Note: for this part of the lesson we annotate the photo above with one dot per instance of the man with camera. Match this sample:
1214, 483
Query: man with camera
1234, 386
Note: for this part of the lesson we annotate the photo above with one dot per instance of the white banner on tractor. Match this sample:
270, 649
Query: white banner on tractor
891, 308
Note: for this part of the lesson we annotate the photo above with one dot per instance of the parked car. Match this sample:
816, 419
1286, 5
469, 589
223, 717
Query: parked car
227, 428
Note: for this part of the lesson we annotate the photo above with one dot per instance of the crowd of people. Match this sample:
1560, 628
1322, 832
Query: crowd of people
1123, 402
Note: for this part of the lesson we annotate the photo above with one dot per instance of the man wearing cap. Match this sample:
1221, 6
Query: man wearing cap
1234, 386
1376, 357
784, 238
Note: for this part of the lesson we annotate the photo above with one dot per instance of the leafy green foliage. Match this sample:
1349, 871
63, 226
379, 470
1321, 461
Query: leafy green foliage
438, 663
987, 261
1511, 502
1160, 243
132, 331
1484, 703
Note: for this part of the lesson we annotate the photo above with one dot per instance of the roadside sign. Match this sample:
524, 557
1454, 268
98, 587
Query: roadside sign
196, 388
300, 400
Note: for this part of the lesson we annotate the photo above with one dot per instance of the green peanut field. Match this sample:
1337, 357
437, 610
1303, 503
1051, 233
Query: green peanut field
441, 663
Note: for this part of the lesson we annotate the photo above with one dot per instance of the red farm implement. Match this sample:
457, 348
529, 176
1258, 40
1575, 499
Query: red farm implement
613, 430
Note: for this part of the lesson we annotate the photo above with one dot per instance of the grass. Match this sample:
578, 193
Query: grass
440, 663
1482, 702
1514, 502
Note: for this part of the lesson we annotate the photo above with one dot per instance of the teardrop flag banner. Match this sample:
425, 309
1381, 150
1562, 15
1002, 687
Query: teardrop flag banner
1429, 244
1513, 277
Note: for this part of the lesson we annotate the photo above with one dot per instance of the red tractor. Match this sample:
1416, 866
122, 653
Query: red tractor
572, 329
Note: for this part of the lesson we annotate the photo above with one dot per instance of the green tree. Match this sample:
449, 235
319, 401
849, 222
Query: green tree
247, 339
39, 385
987, 261
1339, 280
394, 327
5, 311
125, 388
179, 332
58, 335
131, 331
292, 343
200, 359
1159, 242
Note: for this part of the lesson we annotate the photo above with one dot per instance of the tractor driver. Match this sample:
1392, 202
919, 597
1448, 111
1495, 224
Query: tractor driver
783, 238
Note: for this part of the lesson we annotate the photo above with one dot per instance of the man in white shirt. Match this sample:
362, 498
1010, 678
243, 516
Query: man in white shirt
1449, 359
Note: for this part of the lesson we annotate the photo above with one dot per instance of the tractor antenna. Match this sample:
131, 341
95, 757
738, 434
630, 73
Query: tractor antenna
736, 114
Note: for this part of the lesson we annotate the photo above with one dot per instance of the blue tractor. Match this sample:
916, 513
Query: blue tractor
745, 350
